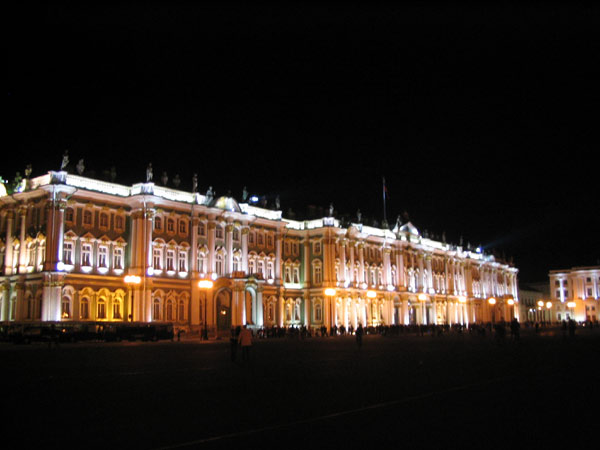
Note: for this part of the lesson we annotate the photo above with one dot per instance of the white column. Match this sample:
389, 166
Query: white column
8, 255
211, 230
229, 248
245, 249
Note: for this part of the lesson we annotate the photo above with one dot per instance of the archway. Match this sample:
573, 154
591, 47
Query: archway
223, 311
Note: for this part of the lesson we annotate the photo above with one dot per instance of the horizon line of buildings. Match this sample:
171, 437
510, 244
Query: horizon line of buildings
70, 247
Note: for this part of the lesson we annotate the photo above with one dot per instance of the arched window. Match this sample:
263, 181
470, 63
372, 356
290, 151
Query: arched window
65, 308
169, 310
156, 309
318, 311
117, 308
84, 308
29, 307
317, 272
101, 309
181, 311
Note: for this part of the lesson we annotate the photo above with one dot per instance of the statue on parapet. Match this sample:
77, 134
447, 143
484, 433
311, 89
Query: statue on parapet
149, 173
80, 167
65, 160
209, 195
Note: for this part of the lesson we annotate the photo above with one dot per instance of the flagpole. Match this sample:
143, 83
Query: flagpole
384, 208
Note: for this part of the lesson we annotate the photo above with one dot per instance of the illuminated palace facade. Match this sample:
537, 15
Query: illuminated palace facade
77, 249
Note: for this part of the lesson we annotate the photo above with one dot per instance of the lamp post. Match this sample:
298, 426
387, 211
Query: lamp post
548, 308
205, 285
130, 281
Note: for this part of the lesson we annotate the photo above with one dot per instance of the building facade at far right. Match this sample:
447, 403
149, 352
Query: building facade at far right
576, 293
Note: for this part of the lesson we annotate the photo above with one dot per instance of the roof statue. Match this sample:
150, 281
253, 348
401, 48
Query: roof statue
65, 160
277, 202
164, 178
244, 195
28, 171
149, 174
80, 167
358, 216
195, 183
176, 181
209, 195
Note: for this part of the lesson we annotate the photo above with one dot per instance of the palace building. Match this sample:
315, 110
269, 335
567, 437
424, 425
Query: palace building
78, 249
575, 294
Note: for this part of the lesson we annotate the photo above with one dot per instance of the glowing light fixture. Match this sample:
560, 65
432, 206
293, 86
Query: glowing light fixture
492, 301
330, 292
462, 299
205, 284
510, 301
549, 305
541, 303
422, 297
571, 304
132, 279
371, 294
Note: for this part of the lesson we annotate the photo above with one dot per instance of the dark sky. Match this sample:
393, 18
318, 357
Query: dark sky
483, 117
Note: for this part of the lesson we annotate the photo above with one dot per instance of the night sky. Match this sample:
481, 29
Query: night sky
483, 118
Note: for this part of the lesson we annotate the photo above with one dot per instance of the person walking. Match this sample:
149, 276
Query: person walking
359, 335
245, 341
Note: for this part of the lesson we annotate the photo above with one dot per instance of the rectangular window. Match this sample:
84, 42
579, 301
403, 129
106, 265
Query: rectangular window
68, 253
156, 258
170, 260
86, 255
119, 222
182, 262
102, 256
118, 257
182, 227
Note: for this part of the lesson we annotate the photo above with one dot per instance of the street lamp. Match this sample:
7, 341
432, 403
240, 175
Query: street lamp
548, 307
205, 285
130, 281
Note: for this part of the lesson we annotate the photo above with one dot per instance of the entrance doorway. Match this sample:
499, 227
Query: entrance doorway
223, 304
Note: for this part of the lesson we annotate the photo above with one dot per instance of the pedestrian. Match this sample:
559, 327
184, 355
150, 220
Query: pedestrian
359, 335
233, 344
245, 341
